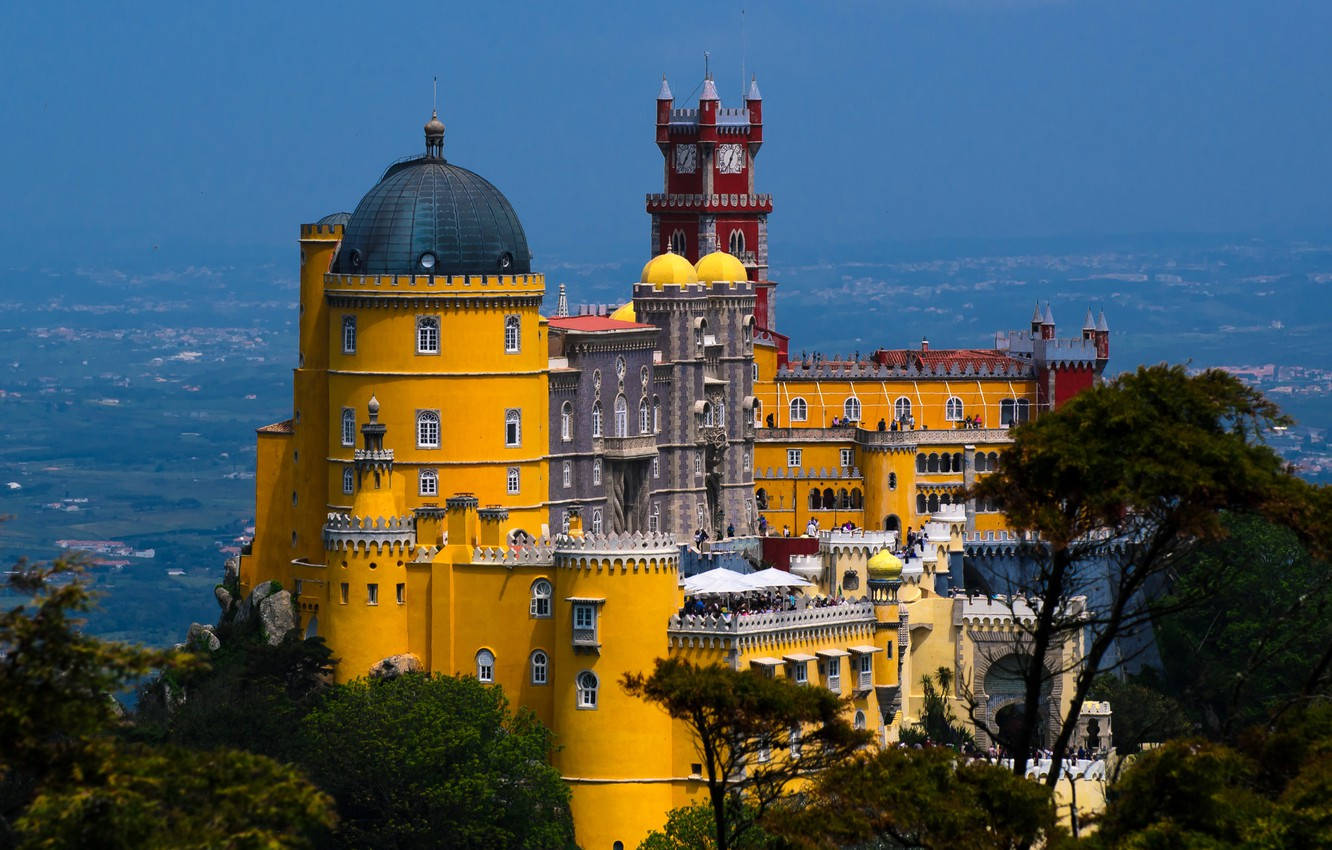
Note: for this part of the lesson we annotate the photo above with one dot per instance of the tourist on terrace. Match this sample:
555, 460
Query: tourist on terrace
883, 426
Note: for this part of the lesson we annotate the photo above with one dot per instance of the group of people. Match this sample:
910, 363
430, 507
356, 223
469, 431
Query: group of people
743, 604
971, 422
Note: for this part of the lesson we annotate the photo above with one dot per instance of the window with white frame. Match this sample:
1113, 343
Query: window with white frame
720, 413
833, 676
859, 722
566, 473
644, 417
799, 410
485, 666
656, 467
745, 462
596, 419
348, 480
511, 480
539, 605
800, 672
737, 242
902, 409
372, 594
566, 421
698, 464
702, 515
851, 409
512, 335
401, 593
754, 371
797, 734
678, 245
427, 335
793, 457
865, 670
427, 429
848, 458
953, 409
540, 668
513, 427
348, 426
584, 616
707, 415
654, 519
348, 334
621, 416
596, 520
587, 689
596, 472
656, 415
427, 483
1014, 411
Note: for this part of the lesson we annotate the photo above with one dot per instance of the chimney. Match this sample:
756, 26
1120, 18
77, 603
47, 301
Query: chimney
924, 344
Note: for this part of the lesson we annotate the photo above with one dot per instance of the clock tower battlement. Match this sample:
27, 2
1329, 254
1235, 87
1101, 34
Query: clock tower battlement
709, 203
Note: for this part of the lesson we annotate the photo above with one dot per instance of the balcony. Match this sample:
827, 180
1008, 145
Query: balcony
637, 447
801, 624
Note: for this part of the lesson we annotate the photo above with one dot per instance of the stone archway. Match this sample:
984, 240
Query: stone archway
892, 523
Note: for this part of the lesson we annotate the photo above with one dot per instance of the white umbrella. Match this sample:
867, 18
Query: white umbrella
719, 580
773, 577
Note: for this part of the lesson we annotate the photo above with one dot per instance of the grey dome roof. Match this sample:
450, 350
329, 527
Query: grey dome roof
426, 216
335, 218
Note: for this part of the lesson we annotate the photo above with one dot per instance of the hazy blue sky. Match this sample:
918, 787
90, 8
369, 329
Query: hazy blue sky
216, 128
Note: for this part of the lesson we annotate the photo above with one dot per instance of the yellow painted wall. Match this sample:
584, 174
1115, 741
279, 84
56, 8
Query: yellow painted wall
826, 399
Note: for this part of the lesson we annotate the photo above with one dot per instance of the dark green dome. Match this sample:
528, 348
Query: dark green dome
426, 216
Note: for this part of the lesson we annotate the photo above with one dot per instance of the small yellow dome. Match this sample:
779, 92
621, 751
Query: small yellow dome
668, 268
720, 265
626, 313
885, 566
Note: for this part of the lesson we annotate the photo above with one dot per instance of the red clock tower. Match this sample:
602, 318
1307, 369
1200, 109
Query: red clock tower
709, 202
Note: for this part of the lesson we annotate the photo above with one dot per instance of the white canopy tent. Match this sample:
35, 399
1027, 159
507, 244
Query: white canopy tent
719, 580
773, 577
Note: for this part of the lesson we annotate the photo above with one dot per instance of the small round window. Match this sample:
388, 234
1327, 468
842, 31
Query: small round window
354, 257
428, 261
505, 261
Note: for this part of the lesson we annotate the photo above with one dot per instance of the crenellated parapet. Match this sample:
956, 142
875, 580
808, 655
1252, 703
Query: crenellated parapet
1009, 612
345, 532
539, 554
830, 370
628, 551
852, 620
860, 541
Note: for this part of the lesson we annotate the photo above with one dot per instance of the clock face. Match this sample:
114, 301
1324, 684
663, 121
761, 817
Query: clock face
686, 159
730, 159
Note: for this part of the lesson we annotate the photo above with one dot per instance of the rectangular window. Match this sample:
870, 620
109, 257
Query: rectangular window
584, 616
834, 675
512, 327
746, 462
585, 624
348, 480
654, 520
865, 669
656, 467
343, 590
796, 735
698, 464
793, 457
513, 480
348, 334
372, 594
848, 458
429, 483
800, 672
568, 473
401, 590
427, 335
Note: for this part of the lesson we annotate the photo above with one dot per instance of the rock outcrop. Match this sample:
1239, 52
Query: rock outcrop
396, 665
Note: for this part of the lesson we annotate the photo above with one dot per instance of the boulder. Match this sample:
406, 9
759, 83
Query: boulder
201, 635
223, 597
231, 572
276, 615
251, 603
396, 665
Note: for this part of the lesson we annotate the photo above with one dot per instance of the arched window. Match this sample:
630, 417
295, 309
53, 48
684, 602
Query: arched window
678, 244
1014, 411
843, 499
1023, 411
720, 414
761, 498
644, 418
511, 480
596, 419
980, 461
993, 463
348, 480
427, 335
348, 334
932, 464
758, 413
539, 606
747, 330
485, 666
921, 504
513, 427
851, 409
512, 336
892, 481
945, 499
656, 415
815, 499
829, 499
540, 668
587, 689
427, 429
621, 417
859, 722
920, 463
566, 421
902, 409
654, 519
707, 414
427, 483
958, 461
596, 521
596, 472
856, 499
799, 410
348, 426
567, 473
953, 409
933, 503
737, 242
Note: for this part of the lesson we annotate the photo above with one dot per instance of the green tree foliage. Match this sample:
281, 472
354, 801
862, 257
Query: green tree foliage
1122, 483
920, 799
1143, 714
694, 828
435, 761
1248, 652
140, 796
938, 724
754, 735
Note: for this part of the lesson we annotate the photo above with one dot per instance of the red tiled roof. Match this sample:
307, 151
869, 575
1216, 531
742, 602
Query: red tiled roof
283, 427
594, 323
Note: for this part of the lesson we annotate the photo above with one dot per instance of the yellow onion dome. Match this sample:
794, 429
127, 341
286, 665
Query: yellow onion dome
668, 268
626, 313
720, 266
885, 566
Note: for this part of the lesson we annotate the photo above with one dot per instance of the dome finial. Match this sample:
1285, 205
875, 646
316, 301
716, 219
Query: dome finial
434, 129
